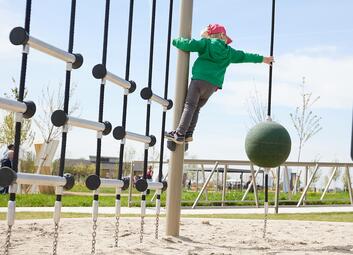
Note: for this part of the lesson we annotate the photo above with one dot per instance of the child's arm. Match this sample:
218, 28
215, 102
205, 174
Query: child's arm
238, 56
189, 44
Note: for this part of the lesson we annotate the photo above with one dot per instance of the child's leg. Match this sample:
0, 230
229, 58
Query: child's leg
191, 103
206, 92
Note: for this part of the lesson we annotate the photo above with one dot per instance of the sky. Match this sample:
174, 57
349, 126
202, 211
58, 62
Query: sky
313, 39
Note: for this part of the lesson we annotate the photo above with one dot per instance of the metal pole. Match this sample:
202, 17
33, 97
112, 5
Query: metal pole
204, 180
205, 185
306, 181
224, 183
197, 180
277, 189
286, 175
177, 156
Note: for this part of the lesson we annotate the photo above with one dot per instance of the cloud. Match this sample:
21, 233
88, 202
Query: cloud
327, 77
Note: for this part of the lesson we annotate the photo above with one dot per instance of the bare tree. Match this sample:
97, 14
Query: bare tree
256, 107
305, 122
51, 100
7, 127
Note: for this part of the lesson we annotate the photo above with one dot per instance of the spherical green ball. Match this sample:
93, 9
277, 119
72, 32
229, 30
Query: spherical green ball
268, 144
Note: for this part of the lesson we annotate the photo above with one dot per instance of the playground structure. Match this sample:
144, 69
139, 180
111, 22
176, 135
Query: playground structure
60, 118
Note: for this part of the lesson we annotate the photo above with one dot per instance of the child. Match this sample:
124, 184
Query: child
215, 55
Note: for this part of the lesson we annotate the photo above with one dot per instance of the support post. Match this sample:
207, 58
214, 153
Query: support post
286, 177
328, 183
308, 185
224, 183
349, 185
277, 189
205, 185
253, 184
204, 180
177, 157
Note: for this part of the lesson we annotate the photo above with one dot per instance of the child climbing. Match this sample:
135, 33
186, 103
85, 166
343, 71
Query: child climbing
208, 71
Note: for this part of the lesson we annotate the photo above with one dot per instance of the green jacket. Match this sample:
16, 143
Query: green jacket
214, 58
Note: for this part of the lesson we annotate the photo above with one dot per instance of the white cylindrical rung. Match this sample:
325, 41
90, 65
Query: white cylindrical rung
155, 185
117, 80
88, 124
12, 105
143, 208
158, 206
40, 179
137, 137
160, 100
95, 204
51, 50
57, 211
115, 183
11, 212
117, 207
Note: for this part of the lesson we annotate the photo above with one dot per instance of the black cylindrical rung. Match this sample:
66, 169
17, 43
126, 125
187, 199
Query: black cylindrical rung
108, 128
7, 176
99, 71
126, 181
170, 105
70, 181
59, 118
31, 109
19, 36
141, 185
93, 182
165, 185
78, 61
146, 93
153, 140
132, 87
119, 133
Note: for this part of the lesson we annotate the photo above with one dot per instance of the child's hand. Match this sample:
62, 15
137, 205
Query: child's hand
268, 60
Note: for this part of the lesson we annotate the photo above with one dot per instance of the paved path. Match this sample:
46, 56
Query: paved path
187, 211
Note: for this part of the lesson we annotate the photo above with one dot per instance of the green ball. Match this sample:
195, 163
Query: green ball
268, 144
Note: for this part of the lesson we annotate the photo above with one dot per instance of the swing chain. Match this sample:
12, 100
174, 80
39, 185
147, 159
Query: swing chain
94, 234
56, 235
8, 238
157, 226
265, 226
116, 231
141, 228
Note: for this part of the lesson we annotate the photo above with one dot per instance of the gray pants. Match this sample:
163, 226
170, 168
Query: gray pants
198, 94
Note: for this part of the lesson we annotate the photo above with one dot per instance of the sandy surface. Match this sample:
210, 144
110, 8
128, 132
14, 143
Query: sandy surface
198, 236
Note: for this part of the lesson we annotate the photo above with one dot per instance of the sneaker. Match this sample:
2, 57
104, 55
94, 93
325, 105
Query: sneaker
188, 137
175, 137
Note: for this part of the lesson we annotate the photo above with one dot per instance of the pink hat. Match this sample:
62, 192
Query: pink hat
217, 29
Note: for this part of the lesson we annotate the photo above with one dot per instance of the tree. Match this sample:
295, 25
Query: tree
256, 108
305, 122
51, 100
7, 128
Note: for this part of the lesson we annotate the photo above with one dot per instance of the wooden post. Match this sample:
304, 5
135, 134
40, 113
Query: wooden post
224, 183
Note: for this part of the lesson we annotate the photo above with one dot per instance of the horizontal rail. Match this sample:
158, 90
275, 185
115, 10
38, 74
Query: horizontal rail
28, 108
100, 72
120, 133
60, 118
147, 94
18, 36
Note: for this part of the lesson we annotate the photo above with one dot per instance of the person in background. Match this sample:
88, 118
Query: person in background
149, 173
6, 161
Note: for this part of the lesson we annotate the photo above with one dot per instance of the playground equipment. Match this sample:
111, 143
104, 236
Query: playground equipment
268, 144
21, 36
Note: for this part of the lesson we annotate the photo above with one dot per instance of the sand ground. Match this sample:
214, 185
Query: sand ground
197, 237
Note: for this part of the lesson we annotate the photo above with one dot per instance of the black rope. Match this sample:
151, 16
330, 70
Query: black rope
21, 89
271, 54
127, 77
164, 114
150, 69
67, 87
102, 86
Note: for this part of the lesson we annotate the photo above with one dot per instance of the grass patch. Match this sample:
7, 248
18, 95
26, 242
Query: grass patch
328, 217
